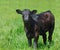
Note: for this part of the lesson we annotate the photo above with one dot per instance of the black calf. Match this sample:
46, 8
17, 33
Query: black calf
37, 24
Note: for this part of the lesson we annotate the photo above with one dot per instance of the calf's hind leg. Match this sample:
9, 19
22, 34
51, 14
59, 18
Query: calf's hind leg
44, 38
50, 35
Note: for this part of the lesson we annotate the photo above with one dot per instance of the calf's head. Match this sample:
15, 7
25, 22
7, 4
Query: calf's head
26, 13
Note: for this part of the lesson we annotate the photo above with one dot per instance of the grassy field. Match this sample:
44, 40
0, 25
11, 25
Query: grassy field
12, 35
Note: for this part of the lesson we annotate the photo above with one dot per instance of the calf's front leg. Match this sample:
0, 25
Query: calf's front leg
29, 39
36, 40
30, 42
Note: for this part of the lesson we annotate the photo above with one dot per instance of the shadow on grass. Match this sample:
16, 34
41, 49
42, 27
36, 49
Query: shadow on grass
51, 44
42, 46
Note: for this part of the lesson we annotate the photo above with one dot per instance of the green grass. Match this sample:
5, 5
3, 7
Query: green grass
12, 35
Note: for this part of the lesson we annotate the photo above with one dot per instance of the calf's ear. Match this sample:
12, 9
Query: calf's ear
18, 11
34, 11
